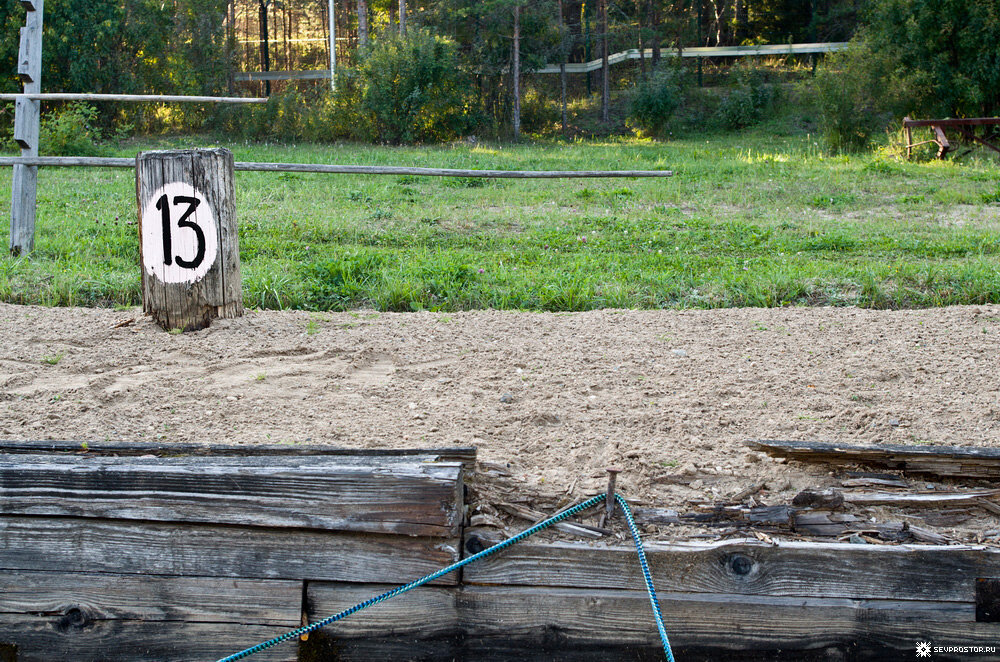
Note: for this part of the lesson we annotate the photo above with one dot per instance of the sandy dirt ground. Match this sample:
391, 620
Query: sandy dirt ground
548, 399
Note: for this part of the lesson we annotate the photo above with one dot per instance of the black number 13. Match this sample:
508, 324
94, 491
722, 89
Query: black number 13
168, 252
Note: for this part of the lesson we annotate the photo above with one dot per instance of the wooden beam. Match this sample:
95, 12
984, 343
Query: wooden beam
966, 121
465, 455
58, 544
154, 98
103, 597
917, 498
962, 461
541, 623
409, 498
26, 127
56, 638
787, 569
108, 162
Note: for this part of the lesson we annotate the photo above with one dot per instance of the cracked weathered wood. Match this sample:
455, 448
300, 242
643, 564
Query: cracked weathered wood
188, 237
912, 572
465, 455
90, 616
26, 125
962, 461
57, 638
392, 496
545, 623
63, 544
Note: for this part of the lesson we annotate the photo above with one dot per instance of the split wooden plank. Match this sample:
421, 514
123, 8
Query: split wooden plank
786, 569
411, 498
941, 498
465, 455
961, 461
58, 639
58, 544
504, 622
537, 516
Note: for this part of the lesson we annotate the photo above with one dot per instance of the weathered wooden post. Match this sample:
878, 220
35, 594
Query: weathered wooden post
189, 245
26, 120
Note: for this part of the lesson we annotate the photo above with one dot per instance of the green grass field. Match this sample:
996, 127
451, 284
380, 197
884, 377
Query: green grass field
747, 220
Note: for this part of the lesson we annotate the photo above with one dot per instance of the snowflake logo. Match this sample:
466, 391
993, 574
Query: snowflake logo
923, 649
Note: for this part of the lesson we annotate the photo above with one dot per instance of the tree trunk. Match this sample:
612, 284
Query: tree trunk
740, 22
363, 23
402, 18
265, 52
652, 19
642, 50
517, 72
605, 68
587, 51
562, 64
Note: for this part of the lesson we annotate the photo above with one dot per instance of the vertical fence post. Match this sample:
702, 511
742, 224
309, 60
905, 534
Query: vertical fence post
26, 118
188, 239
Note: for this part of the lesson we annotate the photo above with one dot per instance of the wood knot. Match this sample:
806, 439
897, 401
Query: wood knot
73, 618
739, 565
473, 545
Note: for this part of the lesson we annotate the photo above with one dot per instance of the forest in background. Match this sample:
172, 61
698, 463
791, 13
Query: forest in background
439, 69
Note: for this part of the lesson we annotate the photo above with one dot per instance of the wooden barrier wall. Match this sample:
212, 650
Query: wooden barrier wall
194, 557
197, 556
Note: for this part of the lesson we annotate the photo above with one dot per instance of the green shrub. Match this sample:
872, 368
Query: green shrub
70, 132
314, 114
750, 100
855, 97
538, 113
655, 100
413, 89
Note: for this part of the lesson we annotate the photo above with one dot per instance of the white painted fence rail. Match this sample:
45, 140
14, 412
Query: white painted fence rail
773, 50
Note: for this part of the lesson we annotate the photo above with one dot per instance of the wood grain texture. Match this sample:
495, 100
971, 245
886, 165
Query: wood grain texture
940, 498
913, 572
60, 639
103, 597
29, 59
24, 186
58, 544
218, 293
541, 623
465, 455
961, 461
423, 613
26, 125
402, 497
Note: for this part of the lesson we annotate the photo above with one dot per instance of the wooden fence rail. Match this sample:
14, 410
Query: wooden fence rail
773, 50
165, 98
107, 162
